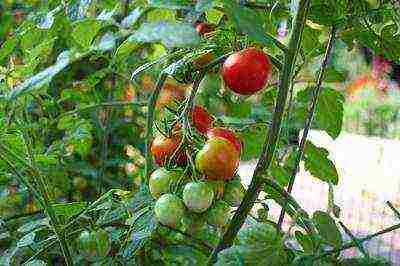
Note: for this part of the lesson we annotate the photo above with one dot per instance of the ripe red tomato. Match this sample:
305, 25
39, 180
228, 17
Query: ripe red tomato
203, 28
246, 72
218, 159
202, 120
163, 148
226, 134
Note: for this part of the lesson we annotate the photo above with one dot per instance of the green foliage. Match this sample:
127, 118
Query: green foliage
74, 79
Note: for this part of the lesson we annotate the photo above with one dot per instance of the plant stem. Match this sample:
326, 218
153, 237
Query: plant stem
272, 136
151, 106
309, 119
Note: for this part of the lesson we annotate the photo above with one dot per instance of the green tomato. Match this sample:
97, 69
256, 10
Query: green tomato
198, 196
193, 222
161, 180
219, 214
169, 210
94, 245
234, 192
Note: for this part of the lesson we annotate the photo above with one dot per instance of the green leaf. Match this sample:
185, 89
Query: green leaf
327, 228
253, 140
327, 12
305, 241
204, 5
318, 164
334, 75
27, 240
132, 18
69, 209
84, 32
170, 4
42, 77
328, 113
7, 48
183, 255
170, 34
247, 21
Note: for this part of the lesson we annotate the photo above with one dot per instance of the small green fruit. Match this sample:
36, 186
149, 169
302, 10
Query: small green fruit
161, 180
219, 214
234, 192
198, 196
94, 245
169, 210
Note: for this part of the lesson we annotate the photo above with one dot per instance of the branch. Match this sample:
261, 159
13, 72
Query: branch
150, 121
309, 118
272, 137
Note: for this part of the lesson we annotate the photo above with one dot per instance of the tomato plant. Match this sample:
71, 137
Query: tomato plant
123, 125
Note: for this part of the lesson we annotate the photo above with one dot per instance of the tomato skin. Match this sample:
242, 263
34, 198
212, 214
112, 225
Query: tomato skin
219, 214
94, 245
163, 148
218, 159
201, 119
169, 210
226, 134
198, 196
246, 72
203, 28
234, 192
169, 94
161, 180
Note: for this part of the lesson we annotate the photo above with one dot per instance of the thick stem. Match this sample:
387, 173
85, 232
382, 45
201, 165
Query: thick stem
309, 119
151, 106
272, 136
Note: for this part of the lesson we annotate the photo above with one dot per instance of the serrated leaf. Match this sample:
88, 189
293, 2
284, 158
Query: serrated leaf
170, 4
327, 228
69, 209
27, 240
328, 113
317, 163
247, 21
170, 34
84, 32
42, 77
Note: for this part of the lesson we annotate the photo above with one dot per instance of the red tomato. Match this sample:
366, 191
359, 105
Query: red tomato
226, 134
202, 120
218, 159
203, 28
163, 148
246, 72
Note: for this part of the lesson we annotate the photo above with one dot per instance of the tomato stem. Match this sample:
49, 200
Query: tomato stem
272, 136
309, 119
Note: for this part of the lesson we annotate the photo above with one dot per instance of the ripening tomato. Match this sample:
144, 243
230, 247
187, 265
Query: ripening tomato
203, 28
201, 119
169, 210
94, 245
246, 72
203, 60
219, 214
161, 180
226, 134
218, 159
171, 93
198, 196
163, 148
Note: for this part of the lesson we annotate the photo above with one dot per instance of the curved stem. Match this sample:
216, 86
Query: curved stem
272, 136
309, 119
151, 106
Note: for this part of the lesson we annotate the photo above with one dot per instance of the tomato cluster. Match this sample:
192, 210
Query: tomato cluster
184, 198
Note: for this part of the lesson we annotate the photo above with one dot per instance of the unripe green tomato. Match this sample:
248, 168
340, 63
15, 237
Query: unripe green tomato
193, 222
94, 245
80, 183
219, 214
169, 210
161, 180
198, 196
234, 192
